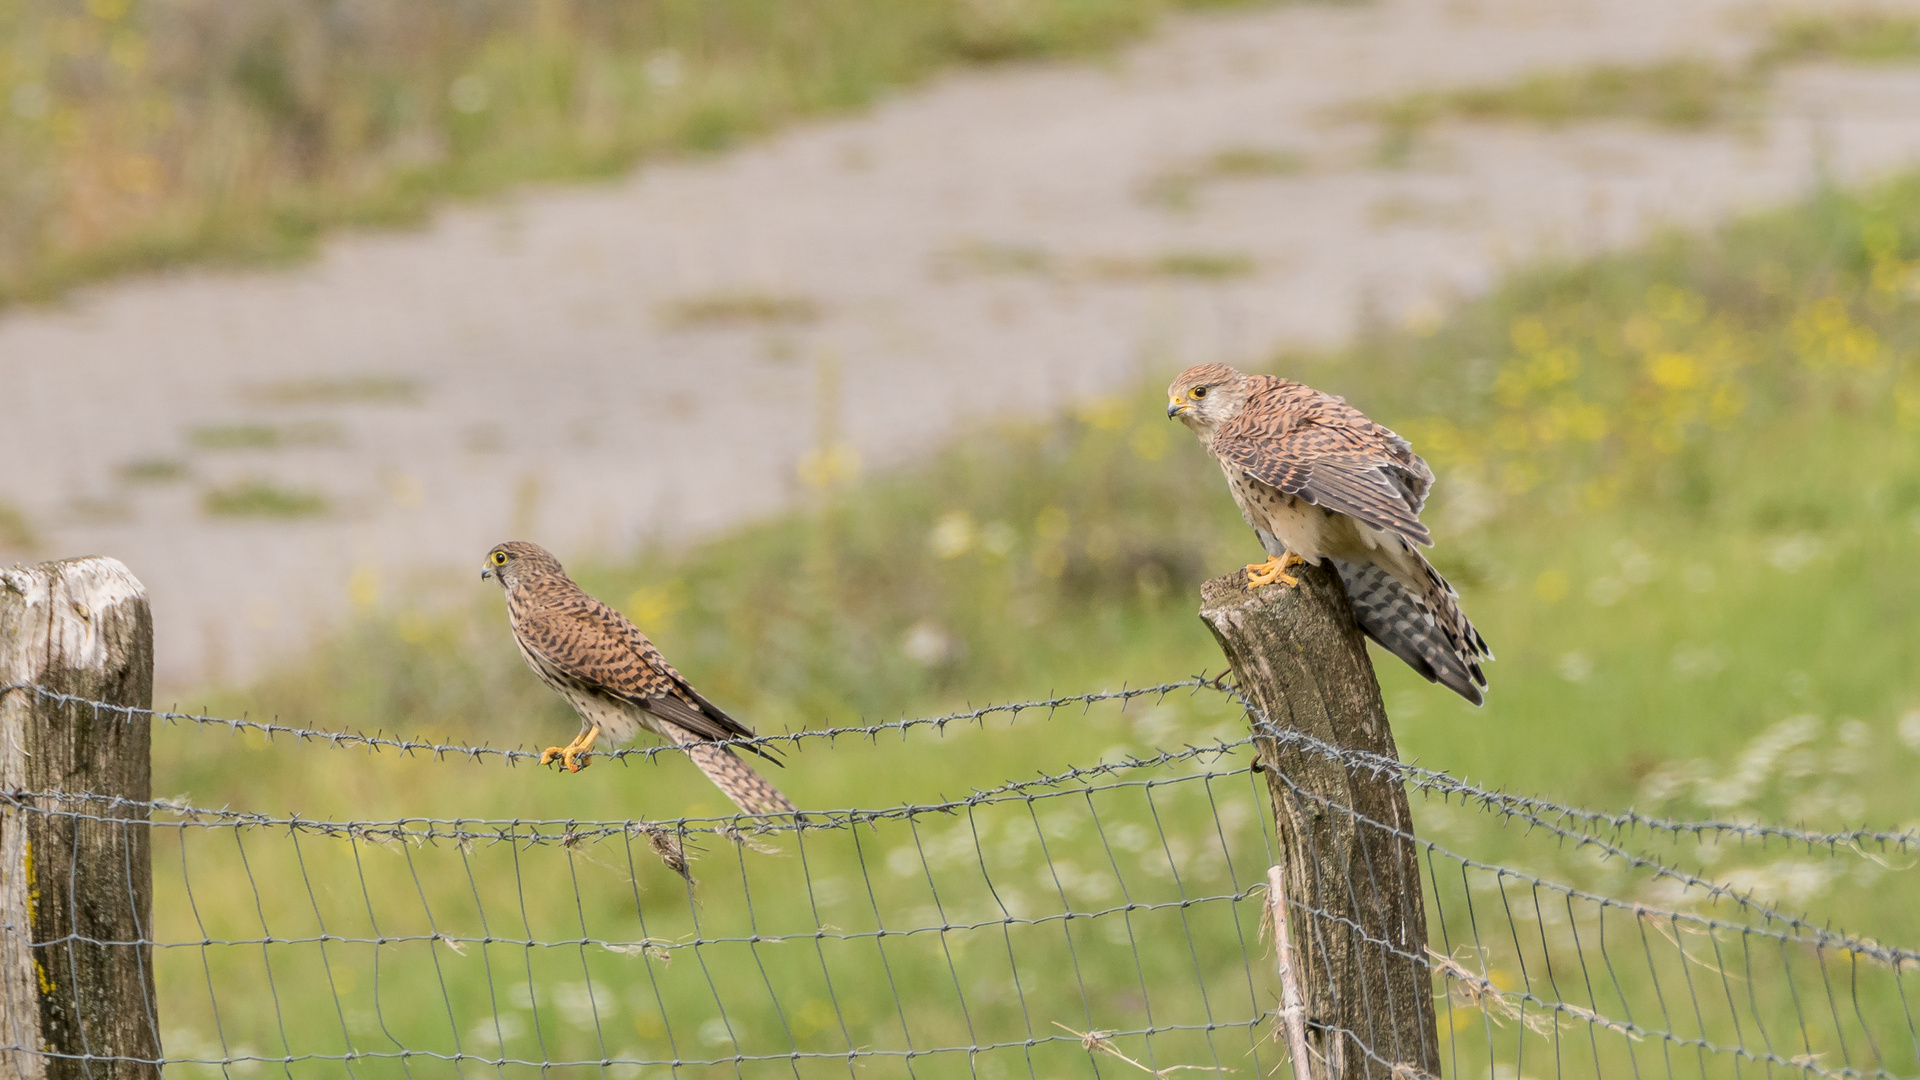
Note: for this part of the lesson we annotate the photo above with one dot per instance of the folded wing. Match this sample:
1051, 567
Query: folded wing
1319, 448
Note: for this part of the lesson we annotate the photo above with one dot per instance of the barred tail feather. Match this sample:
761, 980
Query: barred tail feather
735, 778
1426, 629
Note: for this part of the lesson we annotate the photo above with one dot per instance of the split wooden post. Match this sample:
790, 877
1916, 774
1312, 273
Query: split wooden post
76, 877
1293, 1004
1350, 889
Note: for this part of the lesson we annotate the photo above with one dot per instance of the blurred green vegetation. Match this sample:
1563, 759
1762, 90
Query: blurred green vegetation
255, 436
256, 497
140, 133
1860, 35
1179, 188
740, 309
153, 470
352, 389
1682, 93
1679, 492
16, 532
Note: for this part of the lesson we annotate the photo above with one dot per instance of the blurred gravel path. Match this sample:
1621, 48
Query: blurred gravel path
981, 246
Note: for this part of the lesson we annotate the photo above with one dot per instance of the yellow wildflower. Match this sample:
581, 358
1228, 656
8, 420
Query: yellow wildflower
1675, 370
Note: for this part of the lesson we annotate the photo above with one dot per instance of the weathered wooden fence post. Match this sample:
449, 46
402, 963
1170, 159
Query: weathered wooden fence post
1359, 927
76, 890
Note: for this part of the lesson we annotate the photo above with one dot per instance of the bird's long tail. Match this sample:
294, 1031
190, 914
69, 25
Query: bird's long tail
735, 778
1426, 628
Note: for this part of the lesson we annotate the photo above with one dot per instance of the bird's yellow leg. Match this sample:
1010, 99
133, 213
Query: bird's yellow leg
577, 748
1274, 569
580, 750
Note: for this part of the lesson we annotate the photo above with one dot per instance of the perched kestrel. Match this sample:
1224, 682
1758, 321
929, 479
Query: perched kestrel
1317, 479
615, 679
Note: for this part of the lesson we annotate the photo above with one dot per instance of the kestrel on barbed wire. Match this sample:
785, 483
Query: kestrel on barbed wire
1317, 479
615, 679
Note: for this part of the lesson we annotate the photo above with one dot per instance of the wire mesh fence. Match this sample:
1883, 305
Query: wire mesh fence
1105, 919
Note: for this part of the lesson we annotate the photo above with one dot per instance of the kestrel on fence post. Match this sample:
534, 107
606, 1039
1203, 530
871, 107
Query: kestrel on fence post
1317, 479
615, 679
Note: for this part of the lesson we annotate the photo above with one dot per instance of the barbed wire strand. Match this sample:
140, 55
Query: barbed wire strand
411, 745
1418, 777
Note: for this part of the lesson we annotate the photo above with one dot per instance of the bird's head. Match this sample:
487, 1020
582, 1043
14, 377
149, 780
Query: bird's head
516, 561
1206, 396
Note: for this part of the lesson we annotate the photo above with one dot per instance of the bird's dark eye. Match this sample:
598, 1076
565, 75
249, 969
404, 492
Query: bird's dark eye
1199, 391
499, 558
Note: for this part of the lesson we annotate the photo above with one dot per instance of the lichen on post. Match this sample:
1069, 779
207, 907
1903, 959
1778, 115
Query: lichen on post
76, 881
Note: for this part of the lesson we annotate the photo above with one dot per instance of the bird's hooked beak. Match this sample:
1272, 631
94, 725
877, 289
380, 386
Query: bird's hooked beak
487, 573
1175, 407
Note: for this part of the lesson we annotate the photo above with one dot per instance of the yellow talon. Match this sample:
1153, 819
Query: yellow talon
576, 755
1274, 569
582, 744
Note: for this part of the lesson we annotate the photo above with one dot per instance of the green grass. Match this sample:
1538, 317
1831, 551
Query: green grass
346, 390
740, 309
256, 436
1197, 265
1003, 259
1679, 492
140, 134
982, 257
1242, 161
1179, 188
1859, 36
1684, 94
1680, 94
17, 533
1407, 210
257, 498
153, 470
